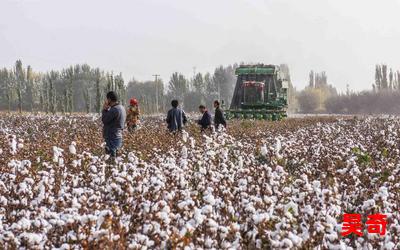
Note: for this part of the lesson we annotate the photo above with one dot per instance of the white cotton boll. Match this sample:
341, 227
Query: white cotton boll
213, 225
264, 150
259, 218
188, 228
278, 147
209, 199
287, 243
32, 238
295, 239
192, 142
1, 151
287, 190
202, 170
13, 145
74, 163
185, 136
389, 245
224, 154
20, 145
368, 204
250, 208
207, 209
72, 148
164, 217
198, 216
331, 237
292, 207
211, 153
383, 192
208, 242
57, 153
208, 139
316, 184
240, 162
308, 210
184, 152
3, 201
134, 245
93, 169
131, 157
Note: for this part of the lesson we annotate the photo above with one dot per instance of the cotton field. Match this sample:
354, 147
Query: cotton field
258, 185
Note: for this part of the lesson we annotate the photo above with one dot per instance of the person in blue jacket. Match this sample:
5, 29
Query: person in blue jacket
113, 117
176, 118
205, 121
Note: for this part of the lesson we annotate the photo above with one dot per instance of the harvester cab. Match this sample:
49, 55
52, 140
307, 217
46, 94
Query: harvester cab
261, 92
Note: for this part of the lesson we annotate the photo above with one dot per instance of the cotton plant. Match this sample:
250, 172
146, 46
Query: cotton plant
211, 191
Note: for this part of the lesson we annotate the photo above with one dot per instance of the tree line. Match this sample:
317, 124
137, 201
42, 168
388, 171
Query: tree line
190, 91
384, 98
82, 88
78, 88
385, 80
312, 99
321, 97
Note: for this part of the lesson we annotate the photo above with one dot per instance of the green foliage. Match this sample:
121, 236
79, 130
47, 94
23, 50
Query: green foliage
80, 88
314, 98
385, 152
145, 93
308, 100
363, 158
178, 86
246, 124
385, 175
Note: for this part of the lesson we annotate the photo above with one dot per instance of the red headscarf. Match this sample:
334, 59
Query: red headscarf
133, 102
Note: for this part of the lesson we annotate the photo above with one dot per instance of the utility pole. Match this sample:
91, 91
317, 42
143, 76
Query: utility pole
194, 76
156, 82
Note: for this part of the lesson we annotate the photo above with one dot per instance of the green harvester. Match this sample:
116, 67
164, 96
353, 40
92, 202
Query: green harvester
261, 92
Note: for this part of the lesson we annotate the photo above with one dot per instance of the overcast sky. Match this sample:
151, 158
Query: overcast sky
345, 38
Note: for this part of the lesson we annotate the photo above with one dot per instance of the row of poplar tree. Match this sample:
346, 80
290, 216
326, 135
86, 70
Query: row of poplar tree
81, 88
386, 79
78, 88
384, 98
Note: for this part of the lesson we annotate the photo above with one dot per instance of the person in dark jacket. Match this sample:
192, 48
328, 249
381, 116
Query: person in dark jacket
219, 118
176, 117
205, 121
113, 118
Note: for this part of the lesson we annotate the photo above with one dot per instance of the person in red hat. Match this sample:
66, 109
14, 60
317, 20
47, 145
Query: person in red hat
133, 115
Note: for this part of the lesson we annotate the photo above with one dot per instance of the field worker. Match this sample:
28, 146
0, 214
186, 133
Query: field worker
205, 121
132, 118
219, 118
176, 117
113, 117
